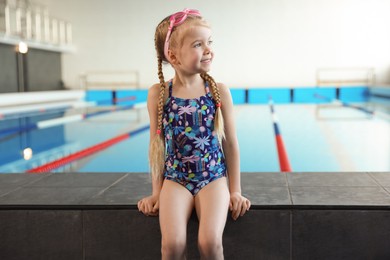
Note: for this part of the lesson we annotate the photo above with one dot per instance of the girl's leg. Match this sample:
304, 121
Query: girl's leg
176, 205
212, 203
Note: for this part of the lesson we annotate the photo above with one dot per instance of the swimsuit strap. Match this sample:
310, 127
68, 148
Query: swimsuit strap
206, 86
170, 88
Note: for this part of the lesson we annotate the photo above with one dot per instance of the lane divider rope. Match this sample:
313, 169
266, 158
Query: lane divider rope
66, 119
284, 162
345, 104
85, 152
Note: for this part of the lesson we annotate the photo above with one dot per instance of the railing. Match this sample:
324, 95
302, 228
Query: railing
336, 77
110, 80
25, 20
340, 78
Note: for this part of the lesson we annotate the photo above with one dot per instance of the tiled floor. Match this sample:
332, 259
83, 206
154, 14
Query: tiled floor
288, 189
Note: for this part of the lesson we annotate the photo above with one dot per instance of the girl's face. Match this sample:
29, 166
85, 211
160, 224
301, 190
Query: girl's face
195, 54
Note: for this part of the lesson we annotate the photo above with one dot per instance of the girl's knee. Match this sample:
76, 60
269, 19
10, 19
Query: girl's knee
210, 246
173, 246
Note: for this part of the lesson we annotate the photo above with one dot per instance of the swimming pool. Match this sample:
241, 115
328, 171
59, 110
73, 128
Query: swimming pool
327, 138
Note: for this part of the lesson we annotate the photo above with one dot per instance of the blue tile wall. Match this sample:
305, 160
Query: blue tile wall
314, 95
309, 95
105, 97
238, 96
140, 96
354, 94
102, 96
261, 95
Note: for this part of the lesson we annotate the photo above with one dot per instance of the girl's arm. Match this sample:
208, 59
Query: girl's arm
238, 204
150, 205
152, 102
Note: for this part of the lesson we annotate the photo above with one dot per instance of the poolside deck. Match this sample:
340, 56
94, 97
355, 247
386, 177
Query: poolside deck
294, 216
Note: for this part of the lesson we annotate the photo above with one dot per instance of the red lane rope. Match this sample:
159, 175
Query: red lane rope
282, 153
78, 155
284, 162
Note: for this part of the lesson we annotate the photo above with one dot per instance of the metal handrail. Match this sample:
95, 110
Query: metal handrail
86, 83
367, 76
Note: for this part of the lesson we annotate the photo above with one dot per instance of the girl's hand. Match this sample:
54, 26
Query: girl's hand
149, 205
238, 205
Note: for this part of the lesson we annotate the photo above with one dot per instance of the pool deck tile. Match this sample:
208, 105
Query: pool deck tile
285, 189
17, 180
383, 178
49, 196
78, 180
342, 196
331, 179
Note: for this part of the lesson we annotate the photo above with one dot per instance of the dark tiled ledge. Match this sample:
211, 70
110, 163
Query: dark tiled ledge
294, 216
266, 190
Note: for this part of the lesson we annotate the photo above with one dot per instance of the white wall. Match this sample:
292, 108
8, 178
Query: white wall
257, 42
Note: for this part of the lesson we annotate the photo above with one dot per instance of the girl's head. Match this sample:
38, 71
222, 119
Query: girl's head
171, 32
169, 38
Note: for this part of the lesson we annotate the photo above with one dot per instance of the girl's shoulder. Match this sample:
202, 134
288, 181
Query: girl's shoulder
155, 88
223, 89
154, 92
221, 86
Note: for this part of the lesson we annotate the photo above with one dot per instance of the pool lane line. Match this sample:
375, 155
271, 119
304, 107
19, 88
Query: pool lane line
345, 104
379, 96
284, 162
16, 115
42, 110
39, 111
85, 152
66, 120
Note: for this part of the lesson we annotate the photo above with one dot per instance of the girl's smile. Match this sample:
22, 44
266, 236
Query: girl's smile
207, 61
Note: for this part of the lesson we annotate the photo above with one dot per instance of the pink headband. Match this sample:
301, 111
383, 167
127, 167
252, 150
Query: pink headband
175, 20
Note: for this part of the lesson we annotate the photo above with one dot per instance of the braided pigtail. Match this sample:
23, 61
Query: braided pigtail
157, 146
218, 120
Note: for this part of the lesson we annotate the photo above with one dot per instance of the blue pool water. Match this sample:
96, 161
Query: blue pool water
325, 139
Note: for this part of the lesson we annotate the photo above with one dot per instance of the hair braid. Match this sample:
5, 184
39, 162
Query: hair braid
161, 95
157, 146
218, 122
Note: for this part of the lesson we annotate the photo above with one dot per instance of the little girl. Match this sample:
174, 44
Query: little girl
193, 148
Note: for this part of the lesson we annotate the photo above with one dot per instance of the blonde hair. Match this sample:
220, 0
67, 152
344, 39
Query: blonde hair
157, 144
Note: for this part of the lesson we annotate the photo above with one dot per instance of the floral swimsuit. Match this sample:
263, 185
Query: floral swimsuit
193, 154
